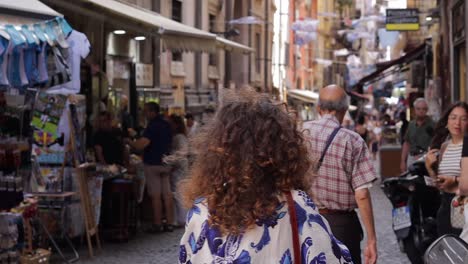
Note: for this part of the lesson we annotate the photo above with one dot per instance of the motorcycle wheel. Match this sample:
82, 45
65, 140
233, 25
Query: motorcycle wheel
411, 250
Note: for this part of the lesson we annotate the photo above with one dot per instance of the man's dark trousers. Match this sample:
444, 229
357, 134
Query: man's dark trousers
347, 228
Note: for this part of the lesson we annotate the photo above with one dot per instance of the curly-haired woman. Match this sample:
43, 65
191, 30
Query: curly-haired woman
249, 174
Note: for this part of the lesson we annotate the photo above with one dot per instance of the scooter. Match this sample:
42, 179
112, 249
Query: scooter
415, 202
447, 249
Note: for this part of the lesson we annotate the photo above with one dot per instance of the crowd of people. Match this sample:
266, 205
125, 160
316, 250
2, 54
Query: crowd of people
251, 185
164, 138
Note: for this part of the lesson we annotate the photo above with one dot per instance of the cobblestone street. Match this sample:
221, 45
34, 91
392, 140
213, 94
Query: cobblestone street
163, 248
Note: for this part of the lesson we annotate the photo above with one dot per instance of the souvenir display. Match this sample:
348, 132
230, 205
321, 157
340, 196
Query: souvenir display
48, 145
41, 117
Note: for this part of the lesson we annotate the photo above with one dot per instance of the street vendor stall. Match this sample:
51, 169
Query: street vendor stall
41, 126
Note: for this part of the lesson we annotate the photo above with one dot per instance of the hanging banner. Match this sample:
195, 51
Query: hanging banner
402, 19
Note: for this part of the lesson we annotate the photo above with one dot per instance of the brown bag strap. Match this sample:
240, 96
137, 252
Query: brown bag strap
294, 228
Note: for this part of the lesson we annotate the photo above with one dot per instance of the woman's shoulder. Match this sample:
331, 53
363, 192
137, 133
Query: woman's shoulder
198, 213
304, 200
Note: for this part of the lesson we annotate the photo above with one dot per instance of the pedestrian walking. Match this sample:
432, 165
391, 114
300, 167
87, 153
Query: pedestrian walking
247, 191
156, 143
191, 125
125, 118
361, 127
178, 161
403, 126
345, 173
418, 136
443, 160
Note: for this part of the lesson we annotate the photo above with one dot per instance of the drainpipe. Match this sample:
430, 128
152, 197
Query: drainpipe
198, 57
266, 48
157, 50
227, 54
250, 45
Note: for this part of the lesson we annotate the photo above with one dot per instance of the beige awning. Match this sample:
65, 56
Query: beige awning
25, 12
233, 46
304, 95
29, 7
175, 35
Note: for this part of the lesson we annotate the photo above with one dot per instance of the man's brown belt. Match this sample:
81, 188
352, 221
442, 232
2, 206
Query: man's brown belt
326, 211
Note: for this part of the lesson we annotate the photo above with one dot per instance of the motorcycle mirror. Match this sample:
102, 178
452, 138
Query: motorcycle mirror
447, 249
418, 168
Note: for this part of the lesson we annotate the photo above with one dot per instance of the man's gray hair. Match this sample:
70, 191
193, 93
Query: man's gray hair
337, 105
419, 100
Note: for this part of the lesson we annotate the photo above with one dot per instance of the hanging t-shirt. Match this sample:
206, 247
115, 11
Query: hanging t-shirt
43, 77
78, 50
30, 63
16, 72
4, 55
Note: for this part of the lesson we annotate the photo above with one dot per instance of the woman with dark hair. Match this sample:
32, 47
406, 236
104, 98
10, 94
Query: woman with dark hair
178, 162
443, 160
246, 191
361, 127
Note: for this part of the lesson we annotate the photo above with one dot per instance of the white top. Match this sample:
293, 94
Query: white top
269, 241
450, 163
79, 49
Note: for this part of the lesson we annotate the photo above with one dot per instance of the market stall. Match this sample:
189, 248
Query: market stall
41, 133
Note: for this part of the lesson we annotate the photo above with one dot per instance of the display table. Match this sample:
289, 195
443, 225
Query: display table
119, 209
390, 157
57, 201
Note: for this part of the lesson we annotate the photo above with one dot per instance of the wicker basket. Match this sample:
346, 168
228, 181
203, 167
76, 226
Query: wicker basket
39, 256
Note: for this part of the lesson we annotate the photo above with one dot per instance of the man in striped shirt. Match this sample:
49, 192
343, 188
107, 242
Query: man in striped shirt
345, 175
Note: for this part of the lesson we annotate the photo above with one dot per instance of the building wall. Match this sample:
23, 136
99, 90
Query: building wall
291, 64
244, 68
325, 40
306, 65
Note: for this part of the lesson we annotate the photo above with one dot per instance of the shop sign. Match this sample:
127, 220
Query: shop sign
402, 19
144, 75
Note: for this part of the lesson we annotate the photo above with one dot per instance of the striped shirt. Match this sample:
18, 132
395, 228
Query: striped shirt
450, 163
347, 165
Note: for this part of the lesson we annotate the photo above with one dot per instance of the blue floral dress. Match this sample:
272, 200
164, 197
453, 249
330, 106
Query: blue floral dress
268, 242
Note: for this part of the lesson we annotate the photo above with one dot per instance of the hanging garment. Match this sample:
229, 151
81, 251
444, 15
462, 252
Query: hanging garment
43, 76
79, 48
4, 55
58, 70
31, 63
16, 73
31, 56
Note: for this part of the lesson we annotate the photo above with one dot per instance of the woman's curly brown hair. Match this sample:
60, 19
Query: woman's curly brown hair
251, 152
